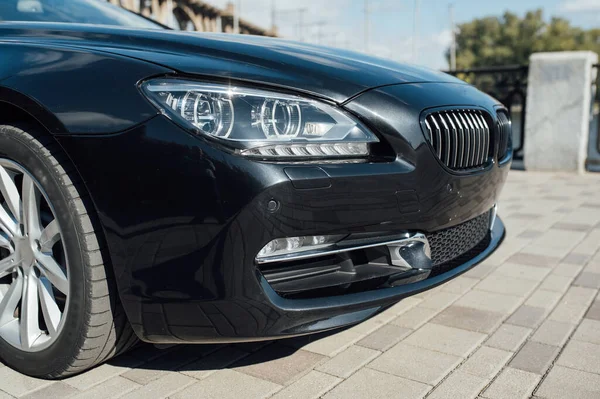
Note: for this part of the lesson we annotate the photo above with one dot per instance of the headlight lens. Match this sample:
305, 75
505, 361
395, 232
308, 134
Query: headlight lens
261, 123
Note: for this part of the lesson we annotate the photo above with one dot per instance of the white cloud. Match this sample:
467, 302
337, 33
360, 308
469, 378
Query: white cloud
580, 5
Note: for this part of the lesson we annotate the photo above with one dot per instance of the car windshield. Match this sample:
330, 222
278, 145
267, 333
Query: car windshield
98, 12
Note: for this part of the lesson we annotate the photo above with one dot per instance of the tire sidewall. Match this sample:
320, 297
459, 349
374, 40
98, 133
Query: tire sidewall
27, 151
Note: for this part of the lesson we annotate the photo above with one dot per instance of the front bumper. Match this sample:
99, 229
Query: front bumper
184, 222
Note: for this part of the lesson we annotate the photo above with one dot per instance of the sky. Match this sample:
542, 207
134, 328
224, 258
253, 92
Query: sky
341, 23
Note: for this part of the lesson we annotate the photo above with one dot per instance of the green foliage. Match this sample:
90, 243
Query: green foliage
509, 40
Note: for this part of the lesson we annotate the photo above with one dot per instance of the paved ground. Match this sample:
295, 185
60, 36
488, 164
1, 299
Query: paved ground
525, 322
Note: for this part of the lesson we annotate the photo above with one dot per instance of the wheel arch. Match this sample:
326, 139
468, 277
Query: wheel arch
17, 107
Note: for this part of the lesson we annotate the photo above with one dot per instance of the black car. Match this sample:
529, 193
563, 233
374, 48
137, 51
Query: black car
184, 187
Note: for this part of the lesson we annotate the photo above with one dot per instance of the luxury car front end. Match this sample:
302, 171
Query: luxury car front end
221, 189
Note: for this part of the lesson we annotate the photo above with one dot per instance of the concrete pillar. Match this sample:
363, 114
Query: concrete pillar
557, 121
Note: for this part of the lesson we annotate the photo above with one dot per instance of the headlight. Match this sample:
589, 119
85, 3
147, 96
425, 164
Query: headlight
261, 123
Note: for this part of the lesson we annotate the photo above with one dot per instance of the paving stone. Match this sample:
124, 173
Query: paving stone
523, 258
215, 361
593, 266
459, 385
229, 384
508, 337
469, 319
594, 311
580, 355
348, 361
567, 270
102, 373
161, 366
515, 270
553, 332
527, 316
556, 283
486, 362
313, 385
54, 390
112, 388
564, 209
556, 252
588, 331
415, 363
512, 384
414, 318
404, 305
453, 341
328, 345
485, 268
530, 234
373, 324
278, 363
564, 382
163, 387
543, 299
385, 337
534, 357
573, 305
440, 300
558, 239
572, 226
588, 279
489, 301
367, 382
525, 216
17, 384
574, 258
506, 285
147, 352
460, 285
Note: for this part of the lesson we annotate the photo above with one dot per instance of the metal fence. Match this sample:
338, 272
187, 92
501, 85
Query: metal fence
593, 158
509, 85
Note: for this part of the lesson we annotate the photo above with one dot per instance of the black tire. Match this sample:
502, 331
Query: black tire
95, 326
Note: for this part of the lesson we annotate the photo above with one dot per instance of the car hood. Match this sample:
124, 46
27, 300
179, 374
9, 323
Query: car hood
326, 72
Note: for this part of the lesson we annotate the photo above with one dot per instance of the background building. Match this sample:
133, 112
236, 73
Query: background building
193, 15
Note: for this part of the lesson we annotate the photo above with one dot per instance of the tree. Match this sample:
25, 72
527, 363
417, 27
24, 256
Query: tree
509, 40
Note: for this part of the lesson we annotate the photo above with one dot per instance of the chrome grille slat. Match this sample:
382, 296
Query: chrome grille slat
504, 128
447, 140
479, 157
463, 134
486, 143
458, 140
438, 135
461, 138
475, 135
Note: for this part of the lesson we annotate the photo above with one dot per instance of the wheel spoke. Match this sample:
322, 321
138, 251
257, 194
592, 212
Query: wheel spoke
7, 265
10, 300
7, 223
53, 272
29, 327
5, 242
50, 236
50, 309
10, 193
31, 208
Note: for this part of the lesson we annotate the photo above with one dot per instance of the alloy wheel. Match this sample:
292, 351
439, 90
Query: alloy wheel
34, 282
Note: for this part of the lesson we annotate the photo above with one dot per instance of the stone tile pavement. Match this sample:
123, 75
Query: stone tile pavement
524, 323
